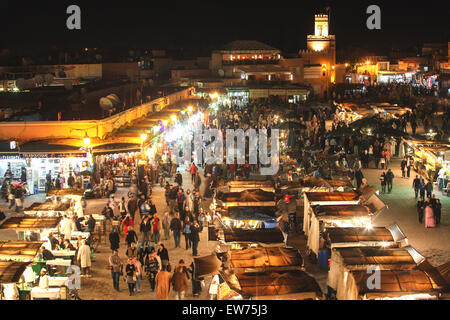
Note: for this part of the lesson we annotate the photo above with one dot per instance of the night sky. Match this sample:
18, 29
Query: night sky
206, 25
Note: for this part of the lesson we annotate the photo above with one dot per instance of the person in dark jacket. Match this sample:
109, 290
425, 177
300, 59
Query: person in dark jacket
422, 188
196, 283
163, 255
195, 238
46, 254
416, 185
175, 226
179, 178
389, 180
131, 236
429, 188
358, 176
114, 239
151, 269
145, 228
437, 211
420, 209
53, 241
90, 224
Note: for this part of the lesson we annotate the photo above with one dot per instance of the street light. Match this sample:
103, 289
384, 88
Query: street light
173, 117
165, 122
143, 136
86, 140
189, 108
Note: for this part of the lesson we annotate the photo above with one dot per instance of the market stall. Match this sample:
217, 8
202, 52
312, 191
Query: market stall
344, 260
365, 237
248, 224
280, 285
340, 216
324, 199
19, 250
34, 228
74, 196
431, 159
249, 197
238, 186
10, 274
395, 285
49, 208
264, 259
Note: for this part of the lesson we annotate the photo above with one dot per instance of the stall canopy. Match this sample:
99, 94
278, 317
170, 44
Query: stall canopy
48, 206
276, 285
238, 186
376, 235
385, 258
251, 195
415, 284
19, 249
251, 213
65, 192
265, 258
30, 223
11, 271
206, 266
332, 197
265, 236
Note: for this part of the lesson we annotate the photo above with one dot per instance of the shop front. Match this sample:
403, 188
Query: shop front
33, 168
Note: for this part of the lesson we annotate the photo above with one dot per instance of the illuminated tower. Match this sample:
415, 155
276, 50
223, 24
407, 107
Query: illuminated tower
322, 41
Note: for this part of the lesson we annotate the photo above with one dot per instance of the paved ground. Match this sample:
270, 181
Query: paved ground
433, 243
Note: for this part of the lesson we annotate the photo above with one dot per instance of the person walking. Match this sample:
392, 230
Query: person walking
152, 267
179, 178
84, 258
196, 283
163, 255
437, 211
389, 180
132, 207
193, 170
195, 238
422, 188
403, 168
131, 236
358, 176
383, 182
166, 226
130, 271
420, 209
128, 224
187, 232
156, 227
116, 267
145, 228
179, 282
114, 239
180, 202
416, 185
429, 214
138, 266
429, 188
162, 281
408, 167
175, 226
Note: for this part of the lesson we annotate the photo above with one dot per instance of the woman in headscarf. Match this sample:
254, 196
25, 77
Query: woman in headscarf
429, 214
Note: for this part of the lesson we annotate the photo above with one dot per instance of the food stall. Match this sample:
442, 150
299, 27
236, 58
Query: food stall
409, 284
365, 237
431, 158
21, 251
238, 186
344, 260
324, 199
10, 275
263, 259
244, 225
33, 227
72, 195
49, 208
335, 216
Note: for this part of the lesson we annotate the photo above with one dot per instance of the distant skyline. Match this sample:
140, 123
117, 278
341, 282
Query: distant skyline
208, 25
